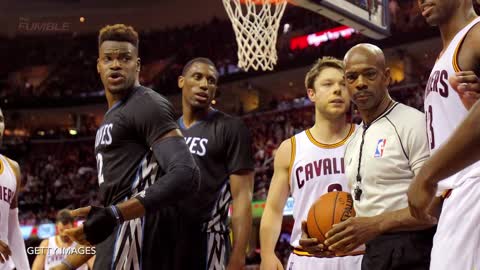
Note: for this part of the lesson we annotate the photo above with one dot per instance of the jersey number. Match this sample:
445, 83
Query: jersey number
430, 126
334, 187
100, 168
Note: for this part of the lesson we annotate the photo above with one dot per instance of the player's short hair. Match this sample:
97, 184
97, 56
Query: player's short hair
118, 32
64, 217
203, 60
321, 64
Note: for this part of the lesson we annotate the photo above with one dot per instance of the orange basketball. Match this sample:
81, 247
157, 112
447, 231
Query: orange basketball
331, 208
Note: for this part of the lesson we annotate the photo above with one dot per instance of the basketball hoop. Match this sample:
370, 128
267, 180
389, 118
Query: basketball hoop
256, 23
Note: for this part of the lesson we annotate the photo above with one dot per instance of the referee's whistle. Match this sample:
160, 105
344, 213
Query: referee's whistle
358, 193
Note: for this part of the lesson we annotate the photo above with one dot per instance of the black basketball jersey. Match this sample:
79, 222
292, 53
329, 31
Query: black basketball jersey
221, 145
126, 166
125, 162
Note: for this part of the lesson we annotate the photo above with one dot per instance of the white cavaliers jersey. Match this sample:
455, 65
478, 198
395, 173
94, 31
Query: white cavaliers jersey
314, 170
8, 187
444, 108
55, 254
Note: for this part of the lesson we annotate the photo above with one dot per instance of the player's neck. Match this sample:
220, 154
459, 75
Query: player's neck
192, 115
113, 99
369, 116
458, 21
330, 131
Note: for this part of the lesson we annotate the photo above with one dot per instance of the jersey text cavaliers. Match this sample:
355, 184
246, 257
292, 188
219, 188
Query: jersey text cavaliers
438, 83
326, 166
6, 194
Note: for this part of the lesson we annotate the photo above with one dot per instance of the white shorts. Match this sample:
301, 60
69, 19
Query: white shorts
456, 244
297, 262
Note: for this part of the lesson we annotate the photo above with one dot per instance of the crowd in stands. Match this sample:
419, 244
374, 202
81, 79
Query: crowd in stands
65, 64
57, 176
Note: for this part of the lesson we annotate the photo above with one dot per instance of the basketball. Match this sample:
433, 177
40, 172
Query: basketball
331, 208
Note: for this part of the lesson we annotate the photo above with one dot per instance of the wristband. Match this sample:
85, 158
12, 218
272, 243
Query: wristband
117, 214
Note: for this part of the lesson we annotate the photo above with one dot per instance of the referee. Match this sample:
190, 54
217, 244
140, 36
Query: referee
381, 159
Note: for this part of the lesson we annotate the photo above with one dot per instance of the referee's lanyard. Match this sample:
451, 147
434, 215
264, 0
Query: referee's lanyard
358, 191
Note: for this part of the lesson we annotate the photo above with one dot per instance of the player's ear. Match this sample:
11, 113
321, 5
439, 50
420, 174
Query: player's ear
311, 94
388, 76
181, 81
98, 65
139, 64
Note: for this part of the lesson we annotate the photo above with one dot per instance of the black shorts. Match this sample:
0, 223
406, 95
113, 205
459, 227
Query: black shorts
399, 251
202, 250
146, 243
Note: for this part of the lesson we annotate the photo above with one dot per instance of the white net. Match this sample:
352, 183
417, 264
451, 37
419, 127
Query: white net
255, 23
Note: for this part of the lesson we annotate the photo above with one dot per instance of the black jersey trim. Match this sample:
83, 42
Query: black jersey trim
398, 136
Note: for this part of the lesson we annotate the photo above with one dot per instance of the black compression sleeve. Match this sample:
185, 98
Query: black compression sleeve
181, 179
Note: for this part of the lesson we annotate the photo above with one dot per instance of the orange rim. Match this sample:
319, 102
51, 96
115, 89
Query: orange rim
261, 2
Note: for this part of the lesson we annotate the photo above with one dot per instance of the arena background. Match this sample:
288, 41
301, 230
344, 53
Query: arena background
53, 100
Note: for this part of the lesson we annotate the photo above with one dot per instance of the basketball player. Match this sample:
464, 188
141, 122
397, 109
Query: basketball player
55, 245
458, 152
381, 159
296, 174
445, 162
11, 240
221, 146
457, 241
144, 166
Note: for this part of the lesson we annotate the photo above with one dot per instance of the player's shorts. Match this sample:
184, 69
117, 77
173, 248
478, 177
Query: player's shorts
203, 250
456, 244
299, 262
399, 251
144, 243
218, 250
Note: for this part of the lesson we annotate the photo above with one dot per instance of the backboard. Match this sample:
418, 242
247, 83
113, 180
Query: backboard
369, 17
